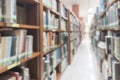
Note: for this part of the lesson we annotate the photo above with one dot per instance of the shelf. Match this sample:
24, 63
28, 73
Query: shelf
106, 9
53, 49
51, 10
28, 1
64, 31
65, 18
18, 26
109, 29
35, 54
55, 66
73, 40
46, 30
74, 31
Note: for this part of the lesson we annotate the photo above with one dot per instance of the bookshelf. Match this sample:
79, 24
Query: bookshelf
46, 45
105, 38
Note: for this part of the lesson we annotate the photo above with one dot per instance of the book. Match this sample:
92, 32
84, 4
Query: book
51, 40
17, 73
102, 5
8, 49
54, 5
117, 46
105, 69
63, 25
21, 14
111, 59
29, 45
108, 41
1, 10
9, 9
53, 75
14, 52
20, 35
63, 11
116, 70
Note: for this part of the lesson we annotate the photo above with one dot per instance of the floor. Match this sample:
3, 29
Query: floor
84, 65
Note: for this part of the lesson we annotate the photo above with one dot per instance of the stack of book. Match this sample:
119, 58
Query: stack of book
51, 4
50, 40
15, 46
51, 22
64, 51
8, 11
63, 25
102, 5
64, 64
63, 11
17, 74
112, 16
51, 61
64, 37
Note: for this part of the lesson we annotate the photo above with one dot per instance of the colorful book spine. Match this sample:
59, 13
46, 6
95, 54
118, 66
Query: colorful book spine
10, 11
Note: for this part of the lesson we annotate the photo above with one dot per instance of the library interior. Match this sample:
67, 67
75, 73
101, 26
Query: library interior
59, 40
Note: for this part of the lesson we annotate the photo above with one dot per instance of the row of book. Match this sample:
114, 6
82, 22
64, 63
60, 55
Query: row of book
74, 27
51, 61
63, 11
74, 35
74, 19
103, 4
63, 25
51, 4
64, 37
51, 40
13, 12
110, 68
8, 11
113, 44
112, 15
15, 45
111, 19
51, 21
19, 73
64, 64
64, 51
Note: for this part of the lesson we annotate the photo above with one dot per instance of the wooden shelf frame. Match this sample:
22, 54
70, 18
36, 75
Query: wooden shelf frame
18, 26
37, 57
107, 8
4, 69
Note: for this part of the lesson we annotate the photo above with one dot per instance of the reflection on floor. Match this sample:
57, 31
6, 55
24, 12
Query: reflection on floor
84, 65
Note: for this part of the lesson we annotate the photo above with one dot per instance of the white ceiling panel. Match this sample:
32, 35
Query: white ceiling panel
84, 6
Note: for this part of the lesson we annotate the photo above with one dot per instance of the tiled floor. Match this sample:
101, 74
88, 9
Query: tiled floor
84, 65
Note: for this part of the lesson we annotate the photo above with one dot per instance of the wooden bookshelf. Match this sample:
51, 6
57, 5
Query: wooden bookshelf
52, 49
51, 10
34, 25
107, 8
65, 18
18, 26
46, 30
35, 54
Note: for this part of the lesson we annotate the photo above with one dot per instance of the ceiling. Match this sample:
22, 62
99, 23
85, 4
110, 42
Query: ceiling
84, 6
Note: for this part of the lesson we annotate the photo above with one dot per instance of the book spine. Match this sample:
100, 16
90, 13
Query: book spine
30, 45
10, 11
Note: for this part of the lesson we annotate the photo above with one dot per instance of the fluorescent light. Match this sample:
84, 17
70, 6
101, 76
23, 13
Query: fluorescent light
90, 10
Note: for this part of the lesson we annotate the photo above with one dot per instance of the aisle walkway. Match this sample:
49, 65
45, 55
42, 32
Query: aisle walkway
84, 65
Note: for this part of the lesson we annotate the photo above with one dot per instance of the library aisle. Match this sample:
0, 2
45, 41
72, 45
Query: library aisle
84, 65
